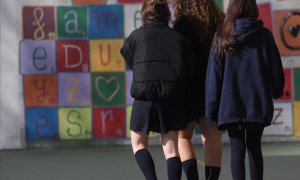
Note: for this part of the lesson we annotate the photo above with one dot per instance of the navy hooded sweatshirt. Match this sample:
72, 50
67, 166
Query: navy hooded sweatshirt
241, 86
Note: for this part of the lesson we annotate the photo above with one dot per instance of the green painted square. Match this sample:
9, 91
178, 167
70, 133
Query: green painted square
297, 83
108, 89
72, 22
75, 123
197, 129
220, 3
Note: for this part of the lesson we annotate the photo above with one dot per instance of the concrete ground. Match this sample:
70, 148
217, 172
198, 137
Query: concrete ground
281, 162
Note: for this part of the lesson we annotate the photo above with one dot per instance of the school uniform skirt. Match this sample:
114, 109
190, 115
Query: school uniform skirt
157, 116
194, 105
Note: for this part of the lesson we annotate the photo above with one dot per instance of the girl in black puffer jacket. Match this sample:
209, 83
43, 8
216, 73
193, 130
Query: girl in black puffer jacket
162, 64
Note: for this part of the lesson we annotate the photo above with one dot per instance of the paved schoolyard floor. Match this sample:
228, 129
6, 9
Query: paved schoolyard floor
282, 162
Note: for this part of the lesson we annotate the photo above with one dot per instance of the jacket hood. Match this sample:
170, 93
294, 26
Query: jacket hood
246, 29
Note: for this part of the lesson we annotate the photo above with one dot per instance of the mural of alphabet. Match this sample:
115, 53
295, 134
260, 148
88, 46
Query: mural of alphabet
77, 86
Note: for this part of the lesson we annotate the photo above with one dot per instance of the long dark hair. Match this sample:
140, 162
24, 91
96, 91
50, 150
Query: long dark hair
204, 15
225, 36
155, 10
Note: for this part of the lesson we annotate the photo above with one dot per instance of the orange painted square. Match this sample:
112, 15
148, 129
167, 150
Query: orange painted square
40, 90
287, 41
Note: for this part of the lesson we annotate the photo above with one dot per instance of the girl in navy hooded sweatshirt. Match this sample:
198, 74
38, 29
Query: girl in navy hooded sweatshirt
244, 74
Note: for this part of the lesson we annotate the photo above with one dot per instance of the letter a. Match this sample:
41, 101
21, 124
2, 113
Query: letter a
71, 23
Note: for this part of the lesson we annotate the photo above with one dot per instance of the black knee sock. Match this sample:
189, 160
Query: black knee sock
190, 169
174, 168
146, 164
212, 173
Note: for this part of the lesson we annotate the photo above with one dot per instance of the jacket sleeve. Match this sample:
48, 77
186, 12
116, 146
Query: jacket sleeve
128, 50
213, 86
276, 70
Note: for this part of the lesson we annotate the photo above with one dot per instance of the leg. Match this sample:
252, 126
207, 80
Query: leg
170, 148
238, 152
139, 142
185, 146
187, 152
212, 145
256, 162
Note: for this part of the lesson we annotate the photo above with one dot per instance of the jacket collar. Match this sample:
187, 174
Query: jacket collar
151, 22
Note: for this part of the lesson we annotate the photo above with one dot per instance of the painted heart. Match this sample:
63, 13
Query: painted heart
294, 30
107, 82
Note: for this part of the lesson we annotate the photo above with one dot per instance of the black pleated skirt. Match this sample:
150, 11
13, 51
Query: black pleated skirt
194, 108
157, 116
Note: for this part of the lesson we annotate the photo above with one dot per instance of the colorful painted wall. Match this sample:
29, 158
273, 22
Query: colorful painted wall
63, 78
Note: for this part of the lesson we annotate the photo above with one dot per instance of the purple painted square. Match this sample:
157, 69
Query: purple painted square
129, 99
74, 89
37, 57
127, 67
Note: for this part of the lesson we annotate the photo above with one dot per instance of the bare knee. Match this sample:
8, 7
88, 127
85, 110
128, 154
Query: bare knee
170, 144
187, 134
210, 133
139, 140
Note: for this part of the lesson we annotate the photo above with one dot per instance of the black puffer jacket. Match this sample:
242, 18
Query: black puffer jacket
161, 60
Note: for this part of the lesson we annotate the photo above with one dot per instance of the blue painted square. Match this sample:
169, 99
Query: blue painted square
106, 21
41, 123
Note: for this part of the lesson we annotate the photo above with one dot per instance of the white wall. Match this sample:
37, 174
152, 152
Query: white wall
11, 97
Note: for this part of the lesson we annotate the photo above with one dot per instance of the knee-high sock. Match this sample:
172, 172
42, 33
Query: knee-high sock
174, 168
190, 169
146, 164
212, 173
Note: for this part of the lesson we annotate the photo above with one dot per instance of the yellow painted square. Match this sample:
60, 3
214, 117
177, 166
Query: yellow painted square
128, 115
75, 123
153, 134
105, 55
297, 118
